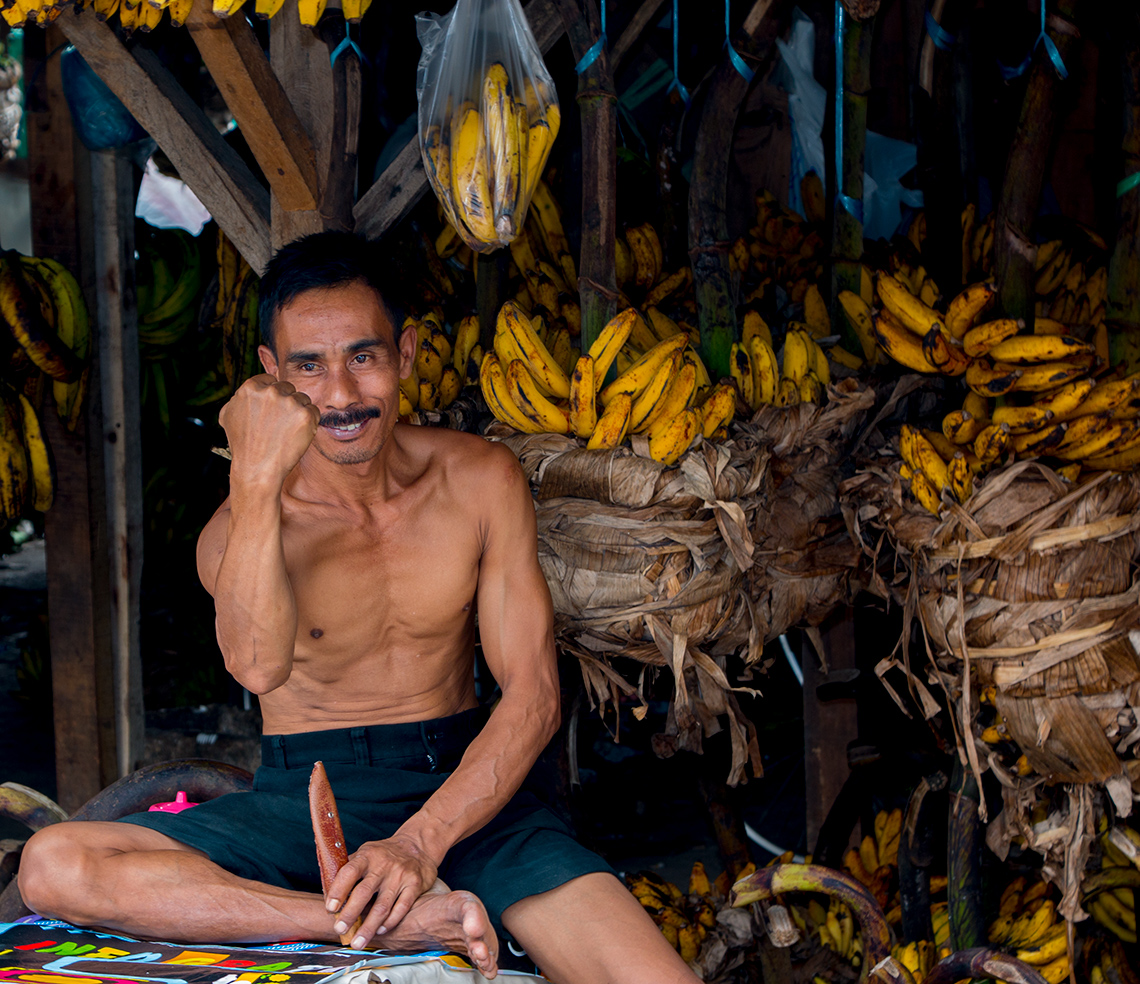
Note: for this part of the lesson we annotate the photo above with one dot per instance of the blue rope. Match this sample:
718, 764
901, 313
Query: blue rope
340, 49
942, 38
591, 56
1127, 184
677, 83
1012, 72
854, 206
742, 69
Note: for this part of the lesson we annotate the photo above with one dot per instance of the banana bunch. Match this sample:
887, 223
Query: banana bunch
834, 927
27, 473
234, 314
1115, 966
38, 12
44, 309
535, 390
169, 277
443, 364
547, 282
1069, 290
1115, 909
872, 863
801, 375
484, 162
1082, 423
782, 249
931, 465
919, 957
1028, 926
683, 919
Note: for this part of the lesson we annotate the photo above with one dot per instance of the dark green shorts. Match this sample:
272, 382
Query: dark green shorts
380, 775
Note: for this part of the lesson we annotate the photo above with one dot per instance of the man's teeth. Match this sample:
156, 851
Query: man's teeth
348, 427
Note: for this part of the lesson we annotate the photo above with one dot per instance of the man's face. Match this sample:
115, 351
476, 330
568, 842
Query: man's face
337, 346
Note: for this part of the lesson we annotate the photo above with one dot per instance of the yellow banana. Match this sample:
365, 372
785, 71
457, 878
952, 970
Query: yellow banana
502, 148
961, 427
662, 325
1064, 402
1037, 378
1106, 396
754, 324
609, 342
811, 388
797, 358
982, 338
638, 375
787, 393
859, 316
429, 395
925, 493
907, 309
39, 457
531, 401
992, 443
471, 189
644, 260
765, 370
354, 10
429, 364
613, 423
466, 338
668, 285
542, 365
960, 478
977, 406
310, 11
450, 383
1108, 438
903, 346
671, 438
815, 312
964, 309
1029, 350
740, 368
987, 379
647, 400
718, 410
583, 410
1022, 420
493, 382
14, 465
1037, 443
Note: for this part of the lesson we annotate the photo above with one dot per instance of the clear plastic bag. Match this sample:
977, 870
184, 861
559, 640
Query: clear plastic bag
488, 114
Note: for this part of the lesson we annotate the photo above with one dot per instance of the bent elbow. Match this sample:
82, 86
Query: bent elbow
261, 682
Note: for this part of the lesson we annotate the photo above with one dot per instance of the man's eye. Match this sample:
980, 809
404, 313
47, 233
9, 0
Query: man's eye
360, 358
308, 366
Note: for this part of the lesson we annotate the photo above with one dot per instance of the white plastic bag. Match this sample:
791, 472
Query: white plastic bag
488, 114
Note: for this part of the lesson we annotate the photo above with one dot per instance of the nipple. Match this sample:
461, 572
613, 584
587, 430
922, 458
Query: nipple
317, 633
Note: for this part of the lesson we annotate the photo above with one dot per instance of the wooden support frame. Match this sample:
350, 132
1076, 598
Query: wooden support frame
233, 56
209, 166
395, 193
113, 202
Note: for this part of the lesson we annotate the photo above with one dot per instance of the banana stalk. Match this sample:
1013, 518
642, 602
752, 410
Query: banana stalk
982, 962
964, 857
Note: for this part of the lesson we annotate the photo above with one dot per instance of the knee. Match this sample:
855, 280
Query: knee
51, 864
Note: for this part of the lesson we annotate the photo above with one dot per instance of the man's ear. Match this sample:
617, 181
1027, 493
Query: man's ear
268, 359
407, 346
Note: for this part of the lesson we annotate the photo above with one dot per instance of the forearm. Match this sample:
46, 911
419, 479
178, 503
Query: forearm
256, 611
490, 773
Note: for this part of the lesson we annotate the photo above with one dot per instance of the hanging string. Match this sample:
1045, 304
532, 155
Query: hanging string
1008, 73
591, 56
738, 63
854, 206
943, 39
677, 83
345, 44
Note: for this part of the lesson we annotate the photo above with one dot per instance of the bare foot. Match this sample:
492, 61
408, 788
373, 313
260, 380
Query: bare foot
455, 921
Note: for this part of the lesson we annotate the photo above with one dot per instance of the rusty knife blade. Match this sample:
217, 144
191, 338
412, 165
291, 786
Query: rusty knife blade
332, 854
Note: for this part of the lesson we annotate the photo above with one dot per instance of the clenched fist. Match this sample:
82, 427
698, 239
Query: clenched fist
270, 425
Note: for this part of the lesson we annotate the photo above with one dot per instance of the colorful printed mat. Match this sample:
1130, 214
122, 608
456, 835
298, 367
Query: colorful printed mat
43, 951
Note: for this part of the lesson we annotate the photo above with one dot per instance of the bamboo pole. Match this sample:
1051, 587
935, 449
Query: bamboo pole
1122, 304
597, 104
847, 229
1014, 249
708, 189
939, 157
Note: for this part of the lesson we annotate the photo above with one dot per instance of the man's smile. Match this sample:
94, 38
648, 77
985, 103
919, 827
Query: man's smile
345, 425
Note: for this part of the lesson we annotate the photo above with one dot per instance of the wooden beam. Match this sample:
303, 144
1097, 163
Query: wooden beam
395, 193
301, 62
212, 169
74, 527
254, 95
113, 201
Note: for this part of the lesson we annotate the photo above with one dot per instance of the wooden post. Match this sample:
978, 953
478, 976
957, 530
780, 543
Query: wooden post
300, 61
830, 726
708, 193
597, 103
1123, 300
1014, 248
113, 200
78, 627
847, 229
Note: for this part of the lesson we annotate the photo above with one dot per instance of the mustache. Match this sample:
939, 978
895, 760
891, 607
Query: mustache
346, 418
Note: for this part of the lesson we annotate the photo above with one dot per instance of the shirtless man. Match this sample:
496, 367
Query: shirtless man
346, 566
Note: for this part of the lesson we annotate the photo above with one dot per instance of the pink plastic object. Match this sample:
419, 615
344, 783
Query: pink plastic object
179, 804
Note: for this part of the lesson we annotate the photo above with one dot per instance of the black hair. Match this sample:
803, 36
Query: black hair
321, 260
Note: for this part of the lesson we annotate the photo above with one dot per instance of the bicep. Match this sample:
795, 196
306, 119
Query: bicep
516, 616
212, 547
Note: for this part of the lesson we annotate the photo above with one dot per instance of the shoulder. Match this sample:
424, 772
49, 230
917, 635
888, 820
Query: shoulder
467, 462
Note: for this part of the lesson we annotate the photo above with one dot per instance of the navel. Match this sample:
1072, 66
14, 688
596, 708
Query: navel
317, 633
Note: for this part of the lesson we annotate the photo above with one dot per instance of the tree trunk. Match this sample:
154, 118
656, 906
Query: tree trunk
847, 229
1014, 249
597, 103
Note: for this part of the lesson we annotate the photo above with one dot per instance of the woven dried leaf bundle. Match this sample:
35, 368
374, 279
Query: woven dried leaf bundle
1032, 588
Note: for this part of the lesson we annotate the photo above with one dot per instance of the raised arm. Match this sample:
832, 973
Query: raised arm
516, 631
240, 557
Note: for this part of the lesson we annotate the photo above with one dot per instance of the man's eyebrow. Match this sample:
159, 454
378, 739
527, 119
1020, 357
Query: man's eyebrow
299, 358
